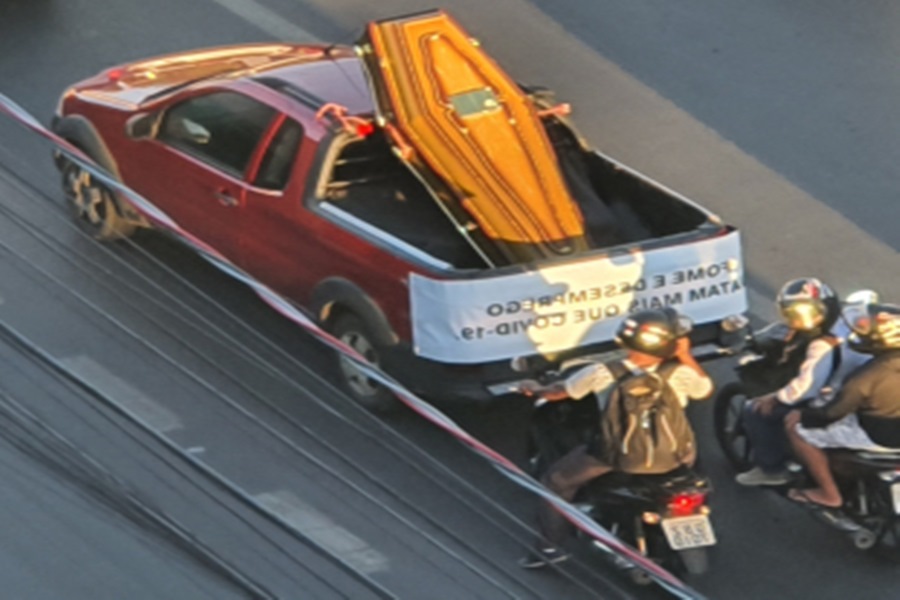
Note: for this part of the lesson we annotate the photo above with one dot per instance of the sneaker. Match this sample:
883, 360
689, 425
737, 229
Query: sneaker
757, 476
541, 557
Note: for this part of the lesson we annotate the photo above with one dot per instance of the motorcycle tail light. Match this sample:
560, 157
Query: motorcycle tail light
682, 505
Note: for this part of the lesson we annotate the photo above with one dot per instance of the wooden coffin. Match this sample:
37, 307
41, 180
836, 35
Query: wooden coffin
474, 135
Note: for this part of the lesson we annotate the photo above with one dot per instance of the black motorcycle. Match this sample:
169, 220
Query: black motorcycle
665, 517
869, 482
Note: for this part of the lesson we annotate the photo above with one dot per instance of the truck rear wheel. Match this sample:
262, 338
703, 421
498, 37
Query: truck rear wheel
354, 332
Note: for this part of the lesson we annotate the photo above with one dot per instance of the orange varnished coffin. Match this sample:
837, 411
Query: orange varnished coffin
453, 112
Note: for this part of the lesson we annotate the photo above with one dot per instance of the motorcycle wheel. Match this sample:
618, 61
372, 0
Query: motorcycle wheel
864, 539
727, 415
888, 546
695, 560
639, 577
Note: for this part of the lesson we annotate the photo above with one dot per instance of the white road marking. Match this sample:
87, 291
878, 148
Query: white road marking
265, 19
325, 532
122, 393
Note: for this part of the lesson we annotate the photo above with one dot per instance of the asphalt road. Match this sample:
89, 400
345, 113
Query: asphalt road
777, 117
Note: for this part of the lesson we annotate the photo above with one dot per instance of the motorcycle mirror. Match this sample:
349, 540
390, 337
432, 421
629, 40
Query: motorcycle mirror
733, 323
862, 297
685, 325
519, 364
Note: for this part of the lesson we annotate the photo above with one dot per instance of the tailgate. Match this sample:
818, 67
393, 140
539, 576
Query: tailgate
558, 307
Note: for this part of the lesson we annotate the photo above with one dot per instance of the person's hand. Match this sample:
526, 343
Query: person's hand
765, 405
683, 348
529, 388
549, 393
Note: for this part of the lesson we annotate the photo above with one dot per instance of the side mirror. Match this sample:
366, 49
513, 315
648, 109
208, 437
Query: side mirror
141, 126
519, 364
195, 132
862, 297
734, 333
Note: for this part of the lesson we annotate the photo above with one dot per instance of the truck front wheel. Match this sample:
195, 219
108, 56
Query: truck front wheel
92, 205
354, 332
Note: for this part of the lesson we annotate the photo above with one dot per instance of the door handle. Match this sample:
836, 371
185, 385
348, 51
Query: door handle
225, 199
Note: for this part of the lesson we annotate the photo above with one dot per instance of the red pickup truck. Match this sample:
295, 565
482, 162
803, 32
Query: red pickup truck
419, 203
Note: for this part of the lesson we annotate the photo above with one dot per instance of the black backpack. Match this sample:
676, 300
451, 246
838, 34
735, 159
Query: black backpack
644, 429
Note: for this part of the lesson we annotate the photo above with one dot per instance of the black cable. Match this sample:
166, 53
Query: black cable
35, 439
248, 417
17, 339
155, 451
257, 360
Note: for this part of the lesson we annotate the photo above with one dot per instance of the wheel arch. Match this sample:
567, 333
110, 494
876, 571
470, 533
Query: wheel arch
337, 296
79, 130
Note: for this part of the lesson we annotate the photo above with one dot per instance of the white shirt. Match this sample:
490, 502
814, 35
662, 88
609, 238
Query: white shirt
687, 383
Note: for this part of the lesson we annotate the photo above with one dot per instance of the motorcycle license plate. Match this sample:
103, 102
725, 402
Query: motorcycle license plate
689, 532
895, 494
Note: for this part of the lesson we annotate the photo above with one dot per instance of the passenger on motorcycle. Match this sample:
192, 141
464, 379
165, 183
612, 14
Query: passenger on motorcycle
864, 415
650, 338
817, 345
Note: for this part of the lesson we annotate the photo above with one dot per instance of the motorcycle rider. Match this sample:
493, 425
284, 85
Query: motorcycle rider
818, 338
650, 338
864, 415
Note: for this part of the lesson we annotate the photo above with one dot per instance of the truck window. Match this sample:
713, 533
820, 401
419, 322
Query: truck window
221, 128
275, 169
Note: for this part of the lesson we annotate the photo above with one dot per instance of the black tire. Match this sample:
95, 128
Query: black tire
92, 205
540, 454
730, 433
354, 332
695, 560
639, 577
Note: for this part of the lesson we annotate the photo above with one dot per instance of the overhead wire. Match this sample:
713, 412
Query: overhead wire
664, 578
25, 431
257, 359
82, 265
251, 418
51, 367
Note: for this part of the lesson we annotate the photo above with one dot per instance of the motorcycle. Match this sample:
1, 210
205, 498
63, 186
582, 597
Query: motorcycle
665, 517
869, 481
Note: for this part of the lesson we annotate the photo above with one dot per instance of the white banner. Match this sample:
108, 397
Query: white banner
565, 306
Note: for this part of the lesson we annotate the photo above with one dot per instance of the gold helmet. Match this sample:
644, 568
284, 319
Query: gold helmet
877, 329
653, 332
808, 305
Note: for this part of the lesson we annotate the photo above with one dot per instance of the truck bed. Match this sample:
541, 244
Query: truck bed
369, 182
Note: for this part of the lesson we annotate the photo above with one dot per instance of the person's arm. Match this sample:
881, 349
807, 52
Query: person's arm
591, 378
812, 376
848, 400
552, 393
684, 356
688, 379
